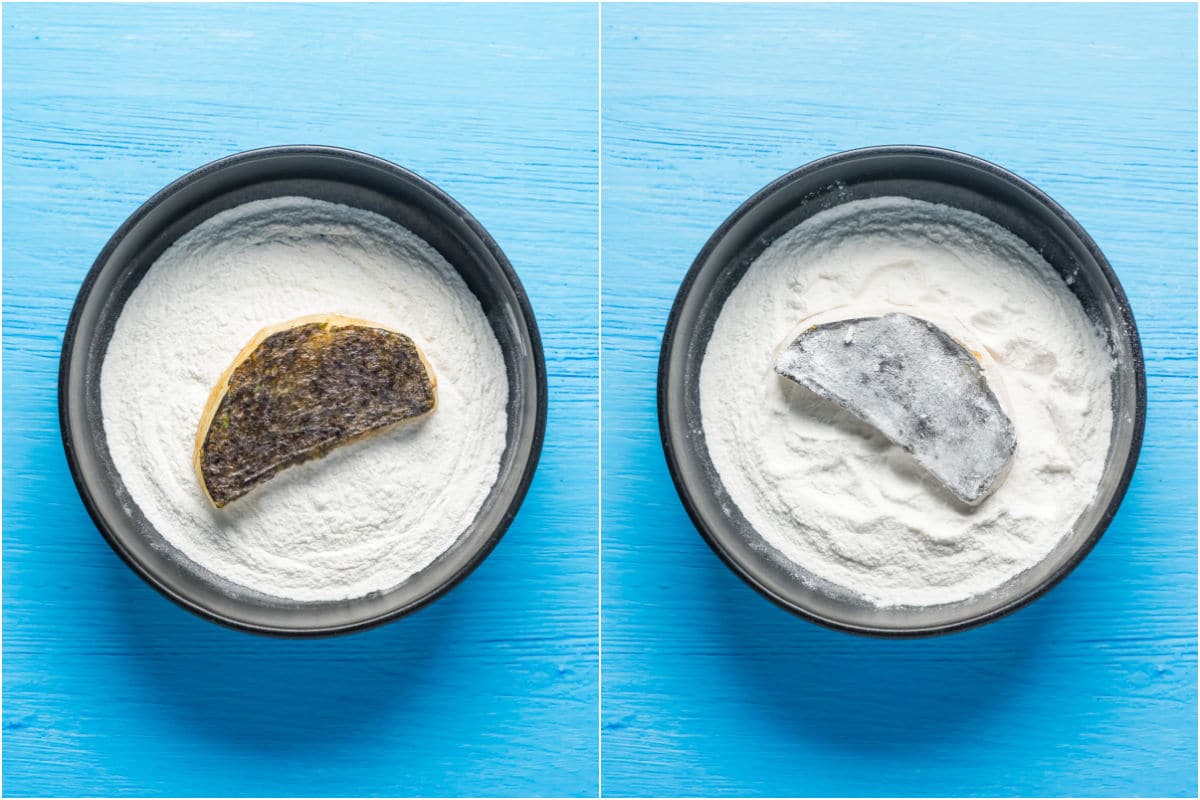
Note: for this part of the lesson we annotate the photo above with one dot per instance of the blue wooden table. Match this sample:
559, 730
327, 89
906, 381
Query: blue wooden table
710, 689
707, 689
109, 689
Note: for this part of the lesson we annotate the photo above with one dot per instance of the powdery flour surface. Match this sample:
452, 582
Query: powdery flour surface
368, 515
833, 495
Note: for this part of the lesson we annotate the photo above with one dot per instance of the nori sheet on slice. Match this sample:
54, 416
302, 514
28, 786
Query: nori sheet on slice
304, 391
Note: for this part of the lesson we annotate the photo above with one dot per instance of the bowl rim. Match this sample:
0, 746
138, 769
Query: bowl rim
450, 205
664, 390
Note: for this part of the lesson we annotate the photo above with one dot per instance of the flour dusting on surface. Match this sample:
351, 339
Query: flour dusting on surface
367, 516
834, 496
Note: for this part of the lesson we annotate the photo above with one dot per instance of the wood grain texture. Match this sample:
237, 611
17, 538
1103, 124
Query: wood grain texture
109, 689
708, 688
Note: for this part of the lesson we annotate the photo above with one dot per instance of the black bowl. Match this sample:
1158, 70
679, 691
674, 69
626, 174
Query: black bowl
922, 173
334, 175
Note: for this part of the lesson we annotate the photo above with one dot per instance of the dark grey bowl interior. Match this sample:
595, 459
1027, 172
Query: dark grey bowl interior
340, 176
934, 175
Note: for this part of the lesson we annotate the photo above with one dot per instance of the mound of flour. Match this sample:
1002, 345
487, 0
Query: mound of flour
370, 514
833, 495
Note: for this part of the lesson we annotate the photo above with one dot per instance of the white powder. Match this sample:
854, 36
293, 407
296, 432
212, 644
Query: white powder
368, 515
834, 496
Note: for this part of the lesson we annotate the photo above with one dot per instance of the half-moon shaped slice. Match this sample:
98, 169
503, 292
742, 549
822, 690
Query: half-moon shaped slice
300, 389
916, 385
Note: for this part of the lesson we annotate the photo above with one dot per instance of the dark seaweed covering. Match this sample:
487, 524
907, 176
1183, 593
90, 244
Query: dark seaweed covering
304, 391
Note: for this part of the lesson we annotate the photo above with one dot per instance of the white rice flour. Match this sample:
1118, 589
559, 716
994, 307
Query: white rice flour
834, 496
368, 515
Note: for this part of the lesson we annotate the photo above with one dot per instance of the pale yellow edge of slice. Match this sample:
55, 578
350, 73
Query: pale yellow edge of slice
330, 321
